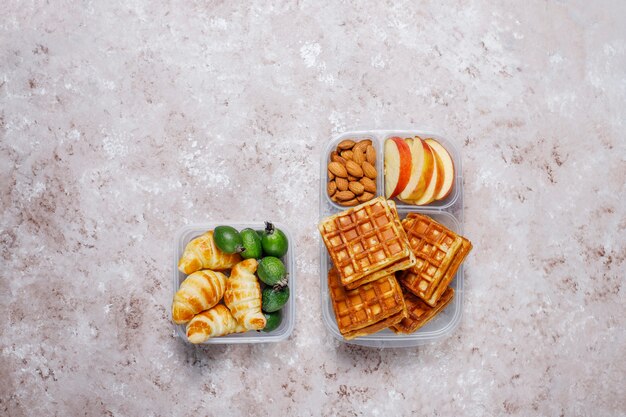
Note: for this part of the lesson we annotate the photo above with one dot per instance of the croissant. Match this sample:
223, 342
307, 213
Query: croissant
243, 295
201, 253
199, 291
215, 322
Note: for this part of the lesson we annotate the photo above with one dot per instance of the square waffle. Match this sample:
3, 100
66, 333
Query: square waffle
447, 278
438, 251
367, 309
366, 242
420, 313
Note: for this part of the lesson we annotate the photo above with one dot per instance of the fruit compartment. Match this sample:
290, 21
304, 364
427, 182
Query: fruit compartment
441, 326
282, 332
378, 138
453, 196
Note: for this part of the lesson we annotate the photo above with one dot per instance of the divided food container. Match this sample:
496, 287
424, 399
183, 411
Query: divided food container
187, 233
448, 212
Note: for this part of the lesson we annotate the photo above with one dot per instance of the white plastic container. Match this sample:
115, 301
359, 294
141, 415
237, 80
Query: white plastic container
448, 212
282, 332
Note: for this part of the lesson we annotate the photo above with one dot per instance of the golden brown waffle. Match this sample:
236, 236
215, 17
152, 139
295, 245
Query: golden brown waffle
368, 308
438, 251
408, 277
420, 313
398, 266
366, 242
376, 327
461, 254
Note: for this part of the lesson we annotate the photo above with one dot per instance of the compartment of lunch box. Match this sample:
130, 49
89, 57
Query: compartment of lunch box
454, 194
332, 145
441, 326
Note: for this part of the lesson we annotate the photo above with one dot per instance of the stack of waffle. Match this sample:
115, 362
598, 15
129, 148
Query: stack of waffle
368, 246
368, 308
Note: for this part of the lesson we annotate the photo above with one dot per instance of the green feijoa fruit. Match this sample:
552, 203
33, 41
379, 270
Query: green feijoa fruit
228, 239
251, 244
274, 241
271, 270
273, 320
274, 298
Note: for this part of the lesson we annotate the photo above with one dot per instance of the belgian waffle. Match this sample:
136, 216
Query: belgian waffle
366, 242
420, 313
367, 309
438, 251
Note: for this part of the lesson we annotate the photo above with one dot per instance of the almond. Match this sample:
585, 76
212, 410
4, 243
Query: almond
331, 187
342, 184
368, 184
334, 157
346, 155
368, 169
352, 202
362, 145
370, 155
344, 195
338, 169
356, 187
365, 197
331, 176
351, 178
358, 157
345, 144
354, 169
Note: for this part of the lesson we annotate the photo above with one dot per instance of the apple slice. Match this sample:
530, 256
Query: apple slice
434, 183
397, 166
448, 168
409, 142
439, 165
421, 170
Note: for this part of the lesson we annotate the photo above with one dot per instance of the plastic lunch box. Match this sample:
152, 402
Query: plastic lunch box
187, 233
448, 212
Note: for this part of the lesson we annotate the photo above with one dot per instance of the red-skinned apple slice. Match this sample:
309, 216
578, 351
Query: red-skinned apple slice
397, 166
434, 184
448, 168
421, 171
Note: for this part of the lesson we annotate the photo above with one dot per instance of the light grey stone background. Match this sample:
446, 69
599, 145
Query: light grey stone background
122, 121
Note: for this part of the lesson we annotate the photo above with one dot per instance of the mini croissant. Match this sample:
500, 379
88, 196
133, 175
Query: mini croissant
215, 322
201, 253
243, 295
199, 291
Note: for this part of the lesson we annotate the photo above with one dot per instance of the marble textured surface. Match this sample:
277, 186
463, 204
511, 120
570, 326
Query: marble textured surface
122, 121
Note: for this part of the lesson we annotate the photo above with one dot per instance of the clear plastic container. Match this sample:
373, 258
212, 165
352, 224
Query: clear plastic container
448, 212
282, 332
